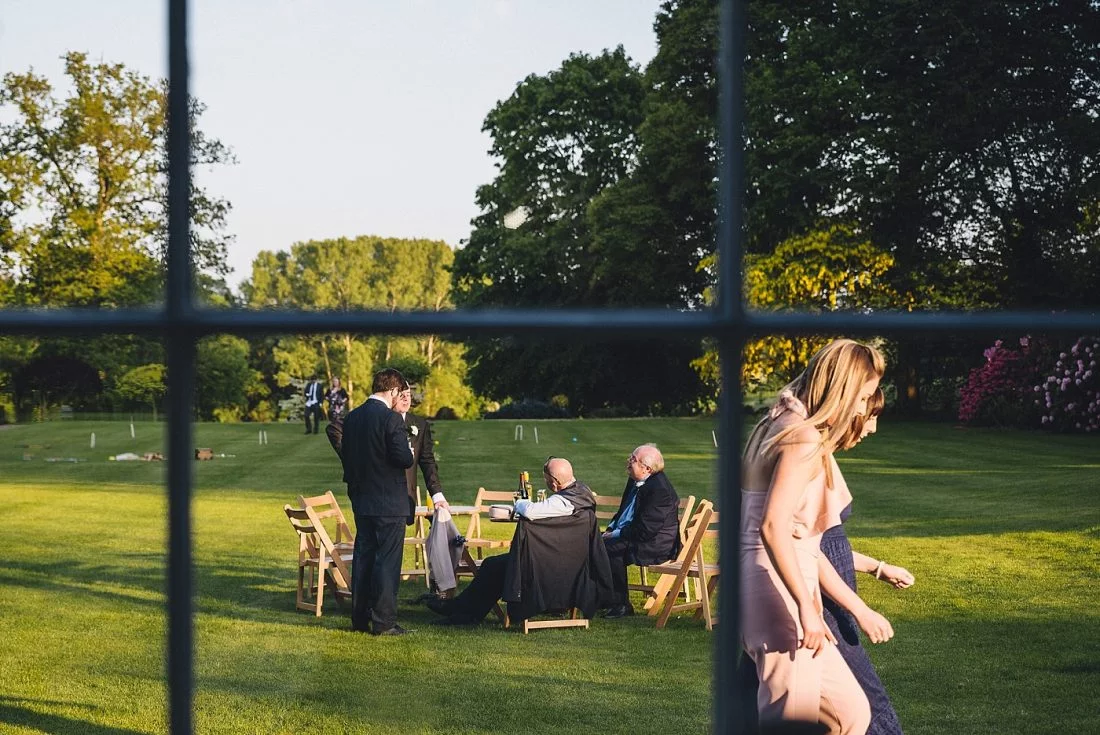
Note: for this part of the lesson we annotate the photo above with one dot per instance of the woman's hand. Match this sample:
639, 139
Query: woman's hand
877, 627
815, 634
900, 577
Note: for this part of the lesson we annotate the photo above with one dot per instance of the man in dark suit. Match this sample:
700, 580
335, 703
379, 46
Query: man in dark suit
314, 392
645, 529
375, 455
420, 437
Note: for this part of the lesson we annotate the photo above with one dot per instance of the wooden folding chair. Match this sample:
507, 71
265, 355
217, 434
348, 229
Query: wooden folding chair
606, 506
683, 512
575, 620
689, 565
325, 507
318, 554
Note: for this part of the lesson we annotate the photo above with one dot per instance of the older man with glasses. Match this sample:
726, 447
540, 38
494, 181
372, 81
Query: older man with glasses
645, 529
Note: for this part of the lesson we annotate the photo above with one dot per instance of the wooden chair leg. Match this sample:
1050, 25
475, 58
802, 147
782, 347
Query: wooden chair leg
321, 569
671, 597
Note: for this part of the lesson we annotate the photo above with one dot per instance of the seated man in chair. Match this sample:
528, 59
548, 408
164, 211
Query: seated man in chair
645, 530
556, 560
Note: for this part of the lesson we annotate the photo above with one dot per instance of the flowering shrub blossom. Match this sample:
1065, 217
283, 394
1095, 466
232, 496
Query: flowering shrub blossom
1069, 398
998, 392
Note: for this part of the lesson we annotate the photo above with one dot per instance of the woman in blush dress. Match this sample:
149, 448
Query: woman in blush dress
792, 491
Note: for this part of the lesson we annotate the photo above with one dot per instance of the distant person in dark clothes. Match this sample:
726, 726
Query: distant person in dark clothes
645, 529
337, 399
314, 393
375, 454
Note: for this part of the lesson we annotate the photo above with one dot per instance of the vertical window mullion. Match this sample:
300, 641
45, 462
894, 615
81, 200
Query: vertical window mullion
727, 714
178, 318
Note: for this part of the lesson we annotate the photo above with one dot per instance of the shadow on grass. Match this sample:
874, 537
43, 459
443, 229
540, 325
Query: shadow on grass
236, 590
12, 712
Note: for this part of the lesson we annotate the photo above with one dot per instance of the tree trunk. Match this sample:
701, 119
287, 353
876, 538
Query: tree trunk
328, 365
351, 383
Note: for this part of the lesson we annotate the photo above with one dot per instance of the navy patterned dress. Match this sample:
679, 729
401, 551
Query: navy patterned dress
884, 720
835, 547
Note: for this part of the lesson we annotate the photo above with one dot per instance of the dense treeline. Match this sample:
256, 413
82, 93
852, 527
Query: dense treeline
899, 155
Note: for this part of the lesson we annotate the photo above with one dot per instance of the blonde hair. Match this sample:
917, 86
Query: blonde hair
875, 404
829, 389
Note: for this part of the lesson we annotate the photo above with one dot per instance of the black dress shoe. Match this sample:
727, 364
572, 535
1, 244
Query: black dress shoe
440, 606
395, 630
620, 611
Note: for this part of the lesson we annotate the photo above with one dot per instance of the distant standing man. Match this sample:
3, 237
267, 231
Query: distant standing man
337, 399
645, 530
314, 392
420, 437
376, 453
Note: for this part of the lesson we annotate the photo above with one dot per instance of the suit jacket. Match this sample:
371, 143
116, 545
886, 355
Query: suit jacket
375, 455
423, 456
558, 563
314, 392
653, 534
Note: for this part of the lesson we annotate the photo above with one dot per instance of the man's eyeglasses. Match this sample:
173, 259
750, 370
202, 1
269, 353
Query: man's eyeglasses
640, 463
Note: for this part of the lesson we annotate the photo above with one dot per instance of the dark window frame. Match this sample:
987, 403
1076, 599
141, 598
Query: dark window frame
181, 322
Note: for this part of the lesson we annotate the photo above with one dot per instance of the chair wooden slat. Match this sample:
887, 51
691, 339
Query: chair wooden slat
691, 564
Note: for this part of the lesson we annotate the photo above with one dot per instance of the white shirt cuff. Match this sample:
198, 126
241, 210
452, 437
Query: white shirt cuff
438, 498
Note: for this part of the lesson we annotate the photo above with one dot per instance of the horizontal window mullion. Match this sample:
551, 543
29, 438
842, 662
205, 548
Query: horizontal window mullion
626, 324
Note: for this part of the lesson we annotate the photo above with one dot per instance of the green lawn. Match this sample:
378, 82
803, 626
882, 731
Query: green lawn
1000, 634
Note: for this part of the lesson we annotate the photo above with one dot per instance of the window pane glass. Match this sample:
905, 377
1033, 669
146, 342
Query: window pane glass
363, 130
83, 214
892, 166
82, 556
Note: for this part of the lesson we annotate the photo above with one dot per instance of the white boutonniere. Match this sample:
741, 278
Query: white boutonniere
414, 430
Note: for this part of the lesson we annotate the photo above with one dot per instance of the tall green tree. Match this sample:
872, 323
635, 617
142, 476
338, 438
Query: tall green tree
223, 377
145, 385
566, 144
83, 182
961, 136
366, 272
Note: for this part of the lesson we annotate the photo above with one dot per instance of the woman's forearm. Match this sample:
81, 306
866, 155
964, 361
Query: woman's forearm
780, 548
837, 589
864, 563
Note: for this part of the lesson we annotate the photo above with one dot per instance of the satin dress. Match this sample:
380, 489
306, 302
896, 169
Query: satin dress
794, 684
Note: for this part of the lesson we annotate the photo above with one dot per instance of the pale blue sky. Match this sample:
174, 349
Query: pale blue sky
346, 117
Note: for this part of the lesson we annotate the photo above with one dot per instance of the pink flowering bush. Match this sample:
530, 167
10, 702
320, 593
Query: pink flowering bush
1069, 397
1001, 391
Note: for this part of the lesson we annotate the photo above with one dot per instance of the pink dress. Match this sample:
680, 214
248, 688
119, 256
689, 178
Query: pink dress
794, 685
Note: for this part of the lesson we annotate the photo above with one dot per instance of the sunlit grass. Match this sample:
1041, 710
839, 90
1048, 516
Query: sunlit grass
1000, 633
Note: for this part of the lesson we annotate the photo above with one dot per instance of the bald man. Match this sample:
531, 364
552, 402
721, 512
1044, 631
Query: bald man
569, 496
645, 529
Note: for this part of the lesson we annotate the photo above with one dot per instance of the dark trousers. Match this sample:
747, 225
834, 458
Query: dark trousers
475, 602
376, 571
318, 416
617, 553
